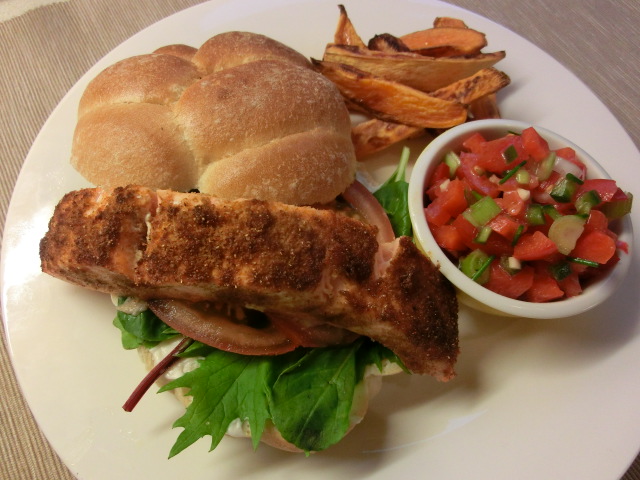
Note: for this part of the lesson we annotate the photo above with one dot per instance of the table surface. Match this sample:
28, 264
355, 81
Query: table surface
595, 39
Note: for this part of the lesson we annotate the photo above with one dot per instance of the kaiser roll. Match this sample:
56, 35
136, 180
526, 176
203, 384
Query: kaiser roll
243, 116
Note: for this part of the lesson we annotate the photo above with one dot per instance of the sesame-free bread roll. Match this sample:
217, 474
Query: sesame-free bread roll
243, 116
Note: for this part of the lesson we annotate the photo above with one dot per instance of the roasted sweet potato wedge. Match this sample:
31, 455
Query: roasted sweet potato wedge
392, 101
466, 91
385, 42
375, 135
449, 22
345, 33
485, 107
460, 41
417, 71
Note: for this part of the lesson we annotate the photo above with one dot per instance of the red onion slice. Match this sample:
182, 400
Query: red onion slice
219, 331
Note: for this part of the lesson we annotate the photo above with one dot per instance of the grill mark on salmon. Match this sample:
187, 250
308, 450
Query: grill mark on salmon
268, 256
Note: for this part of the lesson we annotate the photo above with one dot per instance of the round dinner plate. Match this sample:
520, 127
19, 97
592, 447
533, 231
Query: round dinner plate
533, 398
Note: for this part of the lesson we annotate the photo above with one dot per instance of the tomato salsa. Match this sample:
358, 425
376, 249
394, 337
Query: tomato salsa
523, 220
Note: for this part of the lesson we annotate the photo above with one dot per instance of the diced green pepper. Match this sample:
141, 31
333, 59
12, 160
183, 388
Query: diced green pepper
481, 212
510, 154
560, 271
615, 209
586, 201
552, 211
535, 214
564, 189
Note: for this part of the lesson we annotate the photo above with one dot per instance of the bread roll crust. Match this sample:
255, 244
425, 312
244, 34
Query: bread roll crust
243, 116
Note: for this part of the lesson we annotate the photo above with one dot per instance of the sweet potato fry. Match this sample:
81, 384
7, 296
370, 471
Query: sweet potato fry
449, 22
392, 101
423, 73
466, 91
385, 42
485, 107
460, 41
345, 33
375, 135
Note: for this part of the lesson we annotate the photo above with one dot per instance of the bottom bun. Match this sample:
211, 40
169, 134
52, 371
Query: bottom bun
364, 392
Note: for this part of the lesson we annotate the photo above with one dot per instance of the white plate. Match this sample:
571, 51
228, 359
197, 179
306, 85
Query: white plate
533, 399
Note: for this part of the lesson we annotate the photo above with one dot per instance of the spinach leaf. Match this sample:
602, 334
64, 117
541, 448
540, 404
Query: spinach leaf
142, 329
393, 196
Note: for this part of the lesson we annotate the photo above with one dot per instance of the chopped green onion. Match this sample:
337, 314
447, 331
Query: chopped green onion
586, 201
475, 266
517, 235
511, 173
510, 154
481, 212
583, 261
511, 265
560, 271
523, 177
565, 231
545, 167
483, 234
452, 160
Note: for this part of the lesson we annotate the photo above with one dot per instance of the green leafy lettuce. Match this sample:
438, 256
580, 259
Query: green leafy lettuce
394, 198
307, 393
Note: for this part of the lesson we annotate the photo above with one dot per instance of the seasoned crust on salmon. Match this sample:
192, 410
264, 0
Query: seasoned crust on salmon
264, 255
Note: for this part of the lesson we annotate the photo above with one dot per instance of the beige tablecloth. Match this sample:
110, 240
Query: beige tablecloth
45, 50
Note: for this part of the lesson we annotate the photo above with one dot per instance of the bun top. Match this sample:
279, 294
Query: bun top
243, 116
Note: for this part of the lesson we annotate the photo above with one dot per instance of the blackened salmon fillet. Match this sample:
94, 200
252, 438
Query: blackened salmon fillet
272, 257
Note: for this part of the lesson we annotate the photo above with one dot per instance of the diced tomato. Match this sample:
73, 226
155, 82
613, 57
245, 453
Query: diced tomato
473, 142
505, 225
512, 184
534, 246
466, 230
491, 155
512, 286
544, 289
570, 285
496, 245
479, 183
605, 188
448, 237
453, 199
513, 204
536, 146
597, 221
436, 214
439, 174
595, 246
448, 203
